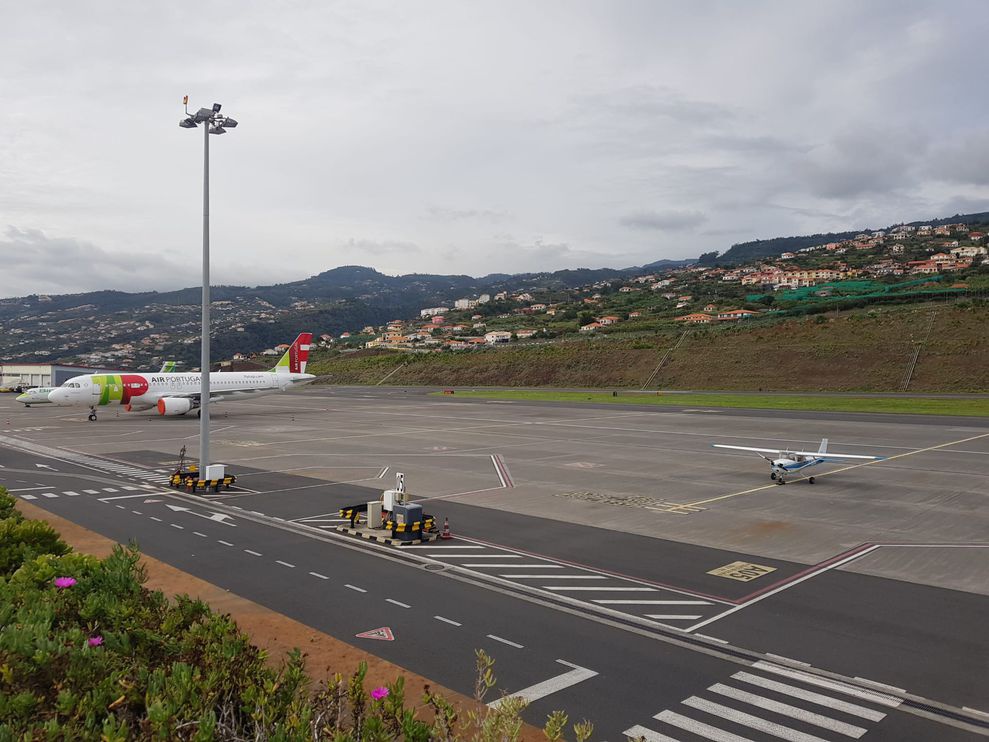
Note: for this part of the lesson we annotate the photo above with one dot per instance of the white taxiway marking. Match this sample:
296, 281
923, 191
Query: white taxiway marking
176, 525
785, 709
850, 690
252, 553
155, 519
748, 720
568, 588
820, 699
137, 512
509, 642
516, 566
200, 534
48, 494
698, 728
787, 659
92, 492
398, 603
712, 638
317, 574
668, 616
433, 546
225, 543
555, 577
475, 556
29, 489
648, 735
540, 690
354, 587
110, 489
447, 620
70, 493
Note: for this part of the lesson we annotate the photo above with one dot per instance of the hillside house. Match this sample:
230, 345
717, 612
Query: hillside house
609, 320
736, 314
590, 327
634, 315
497, 336
526, 333
696, 318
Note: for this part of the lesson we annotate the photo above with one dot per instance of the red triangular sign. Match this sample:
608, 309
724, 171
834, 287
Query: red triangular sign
383, 634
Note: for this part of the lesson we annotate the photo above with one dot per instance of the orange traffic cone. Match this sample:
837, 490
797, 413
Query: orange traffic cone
446, 529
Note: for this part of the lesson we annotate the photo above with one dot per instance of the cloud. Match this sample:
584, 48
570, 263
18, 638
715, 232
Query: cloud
37, 263
357, 247
663, 221
443, 214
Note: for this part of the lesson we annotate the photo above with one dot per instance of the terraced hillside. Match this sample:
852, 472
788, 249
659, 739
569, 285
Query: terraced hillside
937, 347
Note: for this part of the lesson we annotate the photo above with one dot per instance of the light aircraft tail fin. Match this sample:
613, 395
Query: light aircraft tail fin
295, 358
824, 446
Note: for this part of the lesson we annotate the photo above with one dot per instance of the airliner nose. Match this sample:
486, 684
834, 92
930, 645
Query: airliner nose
22, 398
57, 396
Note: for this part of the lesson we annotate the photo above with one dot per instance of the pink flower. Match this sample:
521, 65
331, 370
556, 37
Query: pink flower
95, 641
378, 693
64, 582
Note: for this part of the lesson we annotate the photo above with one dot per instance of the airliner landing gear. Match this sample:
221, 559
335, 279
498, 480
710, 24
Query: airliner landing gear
92, 414
810, 480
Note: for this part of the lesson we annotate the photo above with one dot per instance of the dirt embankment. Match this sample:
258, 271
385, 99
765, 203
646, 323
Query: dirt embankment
870, 351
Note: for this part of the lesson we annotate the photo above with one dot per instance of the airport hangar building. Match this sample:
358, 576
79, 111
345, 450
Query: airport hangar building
42, 374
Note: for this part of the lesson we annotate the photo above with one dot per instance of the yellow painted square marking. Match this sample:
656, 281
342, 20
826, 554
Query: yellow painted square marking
742, 571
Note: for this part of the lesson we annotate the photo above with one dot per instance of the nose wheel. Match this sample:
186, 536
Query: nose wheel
810, 480
92, 414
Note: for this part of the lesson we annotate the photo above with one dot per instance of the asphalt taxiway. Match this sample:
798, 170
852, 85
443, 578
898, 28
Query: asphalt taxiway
587, 543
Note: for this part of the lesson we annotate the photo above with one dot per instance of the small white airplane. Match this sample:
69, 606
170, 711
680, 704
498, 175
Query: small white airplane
39, 395
179, 393
788, 462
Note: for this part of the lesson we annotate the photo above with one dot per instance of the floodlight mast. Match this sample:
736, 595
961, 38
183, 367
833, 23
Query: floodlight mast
215, 123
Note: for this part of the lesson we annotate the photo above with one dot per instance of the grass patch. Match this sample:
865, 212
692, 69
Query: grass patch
900, 405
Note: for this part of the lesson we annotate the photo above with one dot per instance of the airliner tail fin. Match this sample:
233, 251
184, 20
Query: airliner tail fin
295, 358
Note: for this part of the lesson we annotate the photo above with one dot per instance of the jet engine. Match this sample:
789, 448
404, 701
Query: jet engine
174, 405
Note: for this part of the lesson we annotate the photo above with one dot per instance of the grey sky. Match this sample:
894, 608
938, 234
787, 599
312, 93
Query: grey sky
453, 137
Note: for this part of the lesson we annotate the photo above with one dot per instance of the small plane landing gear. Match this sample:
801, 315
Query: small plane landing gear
92, 414
781, 481
810, 480
772, 475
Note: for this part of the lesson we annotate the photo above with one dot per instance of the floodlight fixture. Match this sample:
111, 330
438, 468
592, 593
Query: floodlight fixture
188, 123
216, 108
217, 130
203, 114
229, 123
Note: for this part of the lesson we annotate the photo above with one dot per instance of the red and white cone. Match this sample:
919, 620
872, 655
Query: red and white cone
445, 534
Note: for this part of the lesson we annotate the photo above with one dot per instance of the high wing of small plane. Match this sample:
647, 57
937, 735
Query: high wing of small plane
784, 462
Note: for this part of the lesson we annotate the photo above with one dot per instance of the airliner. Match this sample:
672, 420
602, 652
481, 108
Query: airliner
179, 393
39, 395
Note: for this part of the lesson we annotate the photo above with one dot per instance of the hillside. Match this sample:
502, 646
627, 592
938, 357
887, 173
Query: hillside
855, 351
742, 252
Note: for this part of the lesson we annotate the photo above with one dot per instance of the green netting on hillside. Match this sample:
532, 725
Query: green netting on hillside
857, 289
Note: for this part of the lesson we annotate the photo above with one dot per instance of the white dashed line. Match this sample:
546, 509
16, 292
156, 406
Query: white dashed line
121, 507
252, 553
47, 494
317, 574
70, 493
137, 512
398, 603
92, 492
447, 620
225, 543
284, 564
176, 525
354, 587
506, 641
200, 534
110, 489
155, 519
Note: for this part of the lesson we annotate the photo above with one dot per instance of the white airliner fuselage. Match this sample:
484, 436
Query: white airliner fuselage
179, 393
